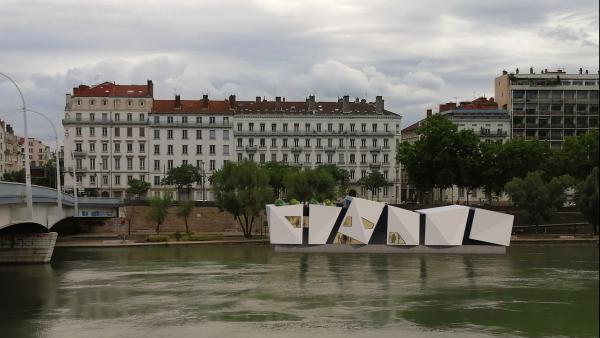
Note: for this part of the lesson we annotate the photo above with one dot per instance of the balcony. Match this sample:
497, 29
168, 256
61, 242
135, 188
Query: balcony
75, 121
80, 153
375, 149
197, 125
251, 148
374, 165
296, 149
330, 149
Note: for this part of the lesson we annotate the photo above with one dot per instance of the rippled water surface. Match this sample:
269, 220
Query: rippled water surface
250, 291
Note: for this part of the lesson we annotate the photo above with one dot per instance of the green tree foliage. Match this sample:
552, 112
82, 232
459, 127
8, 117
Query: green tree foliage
426, 161
577, 157
137, 188
159, 207
184, 210
587, 199
242, 189
467, 161
316, 183
536, 197
48, 180
373, 182
277, 173
340, 176
183, 177
14, 176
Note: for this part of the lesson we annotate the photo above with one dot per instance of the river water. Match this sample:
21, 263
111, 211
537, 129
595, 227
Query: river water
250, 291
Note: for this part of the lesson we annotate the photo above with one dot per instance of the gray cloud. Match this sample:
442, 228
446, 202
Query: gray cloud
415, 54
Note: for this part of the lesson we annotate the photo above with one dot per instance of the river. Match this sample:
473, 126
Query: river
250, 291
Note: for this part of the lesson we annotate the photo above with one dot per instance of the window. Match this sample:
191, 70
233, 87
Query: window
225, 134
105, 179
262, 142
239, 157
273, 143
226, 150
341, 127
129, 147
198, 134
156, 180
273, 157
129, 115
156, 149
352, 174
184, 120
212, 164
142, 116
212, 120
169, 119
240, 143
363, 143
129, 163
198, 149
93, 180
329, 158
239, 127
78, 131
77, 116
212, 134
184, 134
307, 158
92, 116
296, 158
318, 158
117, 147
296, 127
285, 143
385, 174
170, 164
318, 127
363, 158
170, 149
104, 131
352, 127
104, 147
341, 158
330, 127
142, 132
285, 158
285, 127
386, 158
352, 158
117, 132
198, 119
363, 127
262, 158
184, 149
118, 163
225, 120
273, 127
105, 165
251, 126
307, 143
212, 149
374, 127
92, 131
92, 147
156, 119
352, 145
156, 134
156, 165
386, 143
169, 134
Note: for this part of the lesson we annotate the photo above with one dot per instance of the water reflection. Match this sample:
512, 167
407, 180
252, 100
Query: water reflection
525, 293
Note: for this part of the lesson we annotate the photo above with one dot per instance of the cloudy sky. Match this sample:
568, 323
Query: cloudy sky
416, 54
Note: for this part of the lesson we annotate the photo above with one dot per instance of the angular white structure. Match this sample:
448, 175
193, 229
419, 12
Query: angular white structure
492, 227
285, 223
403, 227
445, 225
360, 219
322, 219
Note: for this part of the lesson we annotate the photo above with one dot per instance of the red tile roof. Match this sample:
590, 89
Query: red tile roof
109, 89
191, 107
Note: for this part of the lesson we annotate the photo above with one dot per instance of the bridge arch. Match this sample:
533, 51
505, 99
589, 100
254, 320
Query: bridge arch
23, 228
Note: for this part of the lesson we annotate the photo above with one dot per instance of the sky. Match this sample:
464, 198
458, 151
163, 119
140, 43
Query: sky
416, 54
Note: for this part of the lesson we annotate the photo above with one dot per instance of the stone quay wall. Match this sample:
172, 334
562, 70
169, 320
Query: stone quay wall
27, 248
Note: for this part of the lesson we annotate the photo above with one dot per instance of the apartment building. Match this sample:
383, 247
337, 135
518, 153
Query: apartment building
106, 137
481, 116
357, 135
12, 150
550, 105
196, 132
39, 153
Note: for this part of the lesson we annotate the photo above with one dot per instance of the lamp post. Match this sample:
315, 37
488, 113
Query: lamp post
56, 155
28, 193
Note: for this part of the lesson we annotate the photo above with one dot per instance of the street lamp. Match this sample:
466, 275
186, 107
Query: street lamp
56, 155
28, 193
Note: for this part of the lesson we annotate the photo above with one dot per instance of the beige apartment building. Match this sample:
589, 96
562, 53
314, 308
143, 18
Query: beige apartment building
39, 153
550, 105
106, 137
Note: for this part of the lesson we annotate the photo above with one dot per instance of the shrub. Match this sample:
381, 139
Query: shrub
327, 202
157, 238
279, 202
202, 237
294, 201
313, 201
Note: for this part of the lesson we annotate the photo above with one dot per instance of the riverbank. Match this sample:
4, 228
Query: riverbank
108, 243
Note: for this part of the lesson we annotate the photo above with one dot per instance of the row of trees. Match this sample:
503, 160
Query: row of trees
535, 176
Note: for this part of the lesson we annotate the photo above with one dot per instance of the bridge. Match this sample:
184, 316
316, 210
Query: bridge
26, 239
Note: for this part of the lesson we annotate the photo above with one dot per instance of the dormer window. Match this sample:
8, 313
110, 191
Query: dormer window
92, 102
142, 103
104, 102
129, 103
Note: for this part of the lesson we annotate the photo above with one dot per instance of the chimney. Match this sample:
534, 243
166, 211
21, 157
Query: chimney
177, 101
517, 70
312, 104
346, 104
530, 70
277, 98
150, 88
580, 70
205, 100
232, 101
504, 72
378, 104
357, 100
258, 99
545, 70
429, 112
586, 72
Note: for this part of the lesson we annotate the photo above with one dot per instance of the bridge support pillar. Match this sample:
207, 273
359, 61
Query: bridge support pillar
27, 248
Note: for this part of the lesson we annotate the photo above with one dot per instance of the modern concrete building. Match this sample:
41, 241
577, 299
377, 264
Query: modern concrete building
196, 132
106, 137
452, 228
550, 105
356, 135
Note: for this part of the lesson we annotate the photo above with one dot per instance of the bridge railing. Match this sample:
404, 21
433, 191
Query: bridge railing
10, 191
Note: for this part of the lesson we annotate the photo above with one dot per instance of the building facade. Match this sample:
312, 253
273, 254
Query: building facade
357, 135
196, 132
114, 133
106, 137
39, 153
12, 150
551, 105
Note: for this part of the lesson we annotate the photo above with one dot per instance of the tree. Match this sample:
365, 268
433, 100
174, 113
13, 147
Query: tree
184, 210
340, 176
467, 161
536, 197
373, 182
426, 161
277, 173
159, 207
577, 157
587, 199
14, 176
242, 189
316, 183
137, 188
183, 177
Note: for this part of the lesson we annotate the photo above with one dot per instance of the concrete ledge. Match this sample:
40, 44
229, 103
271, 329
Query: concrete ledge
393, 249
27, 248
119, 243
